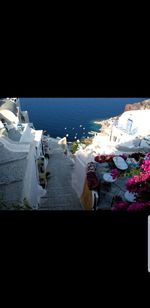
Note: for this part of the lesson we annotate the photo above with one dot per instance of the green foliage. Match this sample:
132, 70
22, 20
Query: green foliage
129, 172
135, 171
74, 147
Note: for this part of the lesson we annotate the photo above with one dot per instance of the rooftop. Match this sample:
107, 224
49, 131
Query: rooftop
9, 105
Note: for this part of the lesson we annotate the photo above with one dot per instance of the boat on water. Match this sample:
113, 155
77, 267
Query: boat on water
92, 133
67, 135
81, 125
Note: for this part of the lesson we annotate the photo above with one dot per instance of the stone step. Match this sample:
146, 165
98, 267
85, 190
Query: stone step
60, 194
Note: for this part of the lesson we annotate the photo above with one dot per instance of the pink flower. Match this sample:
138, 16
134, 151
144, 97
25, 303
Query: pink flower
137, 182
145, 165
121, 205
136, 206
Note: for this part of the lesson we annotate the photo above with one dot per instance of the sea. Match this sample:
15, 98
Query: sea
72, 117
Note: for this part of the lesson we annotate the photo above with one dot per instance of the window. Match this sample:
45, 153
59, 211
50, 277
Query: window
129, 125
114, 138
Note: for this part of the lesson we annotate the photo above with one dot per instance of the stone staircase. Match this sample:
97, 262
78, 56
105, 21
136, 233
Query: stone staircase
60, 194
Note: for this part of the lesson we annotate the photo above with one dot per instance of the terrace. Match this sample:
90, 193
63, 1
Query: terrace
118, 187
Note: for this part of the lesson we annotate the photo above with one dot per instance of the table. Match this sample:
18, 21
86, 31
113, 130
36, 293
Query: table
108, 190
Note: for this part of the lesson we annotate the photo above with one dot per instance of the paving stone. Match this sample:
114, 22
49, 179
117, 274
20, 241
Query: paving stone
60, 194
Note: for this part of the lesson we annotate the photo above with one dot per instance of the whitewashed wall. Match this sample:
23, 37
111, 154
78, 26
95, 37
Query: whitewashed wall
27, 135
31, 186
140, 118
78, 176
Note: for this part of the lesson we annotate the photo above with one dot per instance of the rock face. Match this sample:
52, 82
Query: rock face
138, 106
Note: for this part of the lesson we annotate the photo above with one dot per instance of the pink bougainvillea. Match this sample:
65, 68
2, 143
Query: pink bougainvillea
145, 165
136, 206
138, 182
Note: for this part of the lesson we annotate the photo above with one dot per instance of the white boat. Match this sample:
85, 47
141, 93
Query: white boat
81, 125
91, 133
67, 135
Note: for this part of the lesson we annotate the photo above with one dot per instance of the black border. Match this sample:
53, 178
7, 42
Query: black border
104, 242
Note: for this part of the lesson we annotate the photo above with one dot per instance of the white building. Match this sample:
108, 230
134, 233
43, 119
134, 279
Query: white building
131, 126
20, 149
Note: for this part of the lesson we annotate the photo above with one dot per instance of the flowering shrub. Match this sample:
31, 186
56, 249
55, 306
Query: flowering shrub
120, 206
114, 173
145, 165
139, 183
103, 158
136, 206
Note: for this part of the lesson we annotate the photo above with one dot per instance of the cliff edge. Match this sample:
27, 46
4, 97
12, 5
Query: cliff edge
138, 106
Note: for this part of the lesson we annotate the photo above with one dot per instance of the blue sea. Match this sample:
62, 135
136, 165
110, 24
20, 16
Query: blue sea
64, 116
